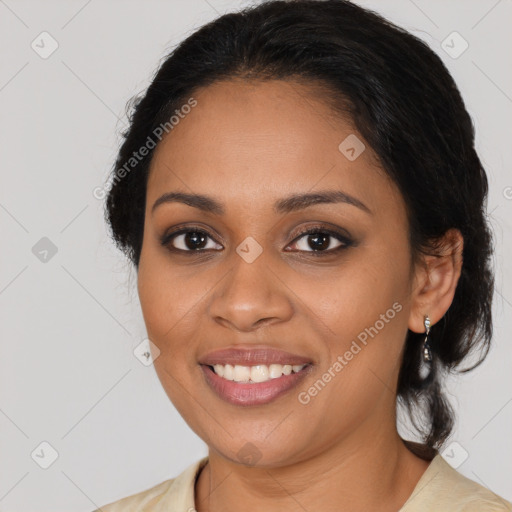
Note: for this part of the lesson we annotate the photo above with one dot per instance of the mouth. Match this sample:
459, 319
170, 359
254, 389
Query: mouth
253, 374
253, 377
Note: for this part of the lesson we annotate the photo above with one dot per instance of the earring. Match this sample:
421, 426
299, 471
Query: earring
427, 354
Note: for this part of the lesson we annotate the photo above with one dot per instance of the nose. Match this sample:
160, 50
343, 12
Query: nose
250, 295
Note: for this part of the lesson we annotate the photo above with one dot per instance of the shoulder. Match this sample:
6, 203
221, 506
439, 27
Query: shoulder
141, 501
442, 488
173, 494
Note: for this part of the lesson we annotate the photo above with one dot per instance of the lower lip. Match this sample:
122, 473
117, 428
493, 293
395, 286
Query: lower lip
257, 393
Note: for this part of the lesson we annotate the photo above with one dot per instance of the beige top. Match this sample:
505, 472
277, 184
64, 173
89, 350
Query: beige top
441, 489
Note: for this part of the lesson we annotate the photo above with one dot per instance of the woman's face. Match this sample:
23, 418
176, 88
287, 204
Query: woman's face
241, 285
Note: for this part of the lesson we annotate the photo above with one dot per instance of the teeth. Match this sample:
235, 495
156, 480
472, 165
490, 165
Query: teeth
219, 370
275, 371
228, 371
241, 373
258, 373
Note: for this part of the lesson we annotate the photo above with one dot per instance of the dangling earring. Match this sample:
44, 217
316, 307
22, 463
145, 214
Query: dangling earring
427, 354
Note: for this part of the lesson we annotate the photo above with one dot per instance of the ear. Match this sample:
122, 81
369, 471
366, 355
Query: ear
435, 281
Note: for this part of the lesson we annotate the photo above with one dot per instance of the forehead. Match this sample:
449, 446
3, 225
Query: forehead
252, 138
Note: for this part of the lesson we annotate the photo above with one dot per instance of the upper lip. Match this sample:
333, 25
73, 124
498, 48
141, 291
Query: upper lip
252, 356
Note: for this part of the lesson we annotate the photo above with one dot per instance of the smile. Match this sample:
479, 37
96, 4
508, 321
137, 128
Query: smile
257, 373
253, 385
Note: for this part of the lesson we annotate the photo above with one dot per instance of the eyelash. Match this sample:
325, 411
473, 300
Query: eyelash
317, 230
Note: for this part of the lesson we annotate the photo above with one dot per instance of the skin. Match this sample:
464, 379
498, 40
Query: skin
249, 144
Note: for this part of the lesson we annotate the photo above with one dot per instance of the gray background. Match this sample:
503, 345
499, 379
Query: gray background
70, 321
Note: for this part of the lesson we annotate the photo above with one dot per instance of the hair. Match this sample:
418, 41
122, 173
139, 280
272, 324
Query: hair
403, 102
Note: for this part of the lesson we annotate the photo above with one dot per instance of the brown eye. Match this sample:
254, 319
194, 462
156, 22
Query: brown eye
190, 240
321, 241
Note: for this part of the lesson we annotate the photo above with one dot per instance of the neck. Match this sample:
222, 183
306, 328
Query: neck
372, 470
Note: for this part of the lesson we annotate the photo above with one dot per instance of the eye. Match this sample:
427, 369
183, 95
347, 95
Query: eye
321, 240
189, 240
317, 241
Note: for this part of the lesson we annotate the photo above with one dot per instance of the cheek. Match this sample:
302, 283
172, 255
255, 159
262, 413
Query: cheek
352, 297
167, 302
368, 326
167, 299
363, 308
372, 322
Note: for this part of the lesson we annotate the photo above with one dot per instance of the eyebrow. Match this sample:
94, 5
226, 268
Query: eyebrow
286, 205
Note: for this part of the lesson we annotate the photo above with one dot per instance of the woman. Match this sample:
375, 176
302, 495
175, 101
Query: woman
301, 197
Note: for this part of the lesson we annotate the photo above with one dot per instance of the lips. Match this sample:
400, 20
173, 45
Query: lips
252, 357
244, 391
